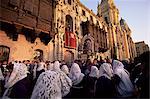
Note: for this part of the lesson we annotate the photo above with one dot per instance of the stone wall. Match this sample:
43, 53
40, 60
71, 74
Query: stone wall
24, 50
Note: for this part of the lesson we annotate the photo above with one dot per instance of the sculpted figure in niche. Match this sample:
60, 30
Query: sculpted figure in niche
87, 46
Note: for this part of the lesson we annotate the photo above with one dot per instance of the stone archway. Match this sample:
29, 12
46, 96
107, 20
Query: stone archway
89, 40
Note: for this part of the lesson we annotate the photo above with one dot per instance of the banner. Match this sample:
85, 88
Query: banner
70, 40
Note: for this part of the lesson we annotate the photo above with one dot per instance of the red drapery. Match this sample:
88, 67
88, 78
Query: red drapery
70, 40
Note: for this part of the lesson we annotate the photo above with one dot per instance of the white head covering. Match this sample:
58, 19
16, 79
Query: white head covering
50, 66
117, 65
106, 70
47, 86
65, 69
66, 81
94, 72
41, 66
75, 74
51, 85
125, 87
56, 66
19, 72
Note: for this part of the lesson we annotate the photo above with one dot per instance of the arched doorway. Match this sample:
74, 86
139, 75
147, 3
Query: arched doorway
69, 57
38, 54
4, 53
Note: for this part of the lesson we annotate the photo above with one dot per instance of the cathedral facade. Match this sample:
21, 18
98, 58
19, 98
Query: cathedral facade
62, 30
120, 40
80, 33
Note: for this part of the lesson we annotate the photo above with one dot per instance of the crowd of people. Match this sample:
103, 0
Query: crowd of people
107, 78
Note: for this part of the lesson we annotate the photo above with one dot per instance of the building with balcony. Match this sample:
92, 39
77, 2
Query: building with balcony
81, 34
26, 29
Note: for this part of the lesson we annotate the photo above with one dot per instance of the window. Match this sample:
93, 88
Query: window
31, 7
97, 23
83, 12
106, 20
91, 18
76, 10
64, 1
4, 53
69, 2
84, 28
69, 23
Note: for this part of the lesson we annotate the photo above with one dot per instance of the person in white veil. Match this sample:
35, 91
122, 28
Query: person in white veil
91, 82
52, 84
94, 72
104, 85
56, 66
78, 81
50, 66
65, 80
75, 74
48, 86
65, 69
18, 84
124, 85
106, 70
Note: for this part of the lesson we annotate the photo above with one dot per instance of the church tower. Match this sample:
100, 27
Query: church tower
108, 11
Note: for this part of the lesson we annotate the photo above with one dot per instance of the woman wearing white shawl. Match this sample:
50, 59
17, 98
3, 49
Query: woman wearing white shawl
50, 66
18, 82
48, 86
104, 86
106, 70
65, 69
52, 84
75, 74
124, 87
91, 82
77, 90
94, 72
41, 66
66, 82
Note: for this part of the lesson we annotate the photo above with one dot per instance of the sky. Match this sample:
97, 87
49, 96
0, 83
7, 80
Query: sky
136, 14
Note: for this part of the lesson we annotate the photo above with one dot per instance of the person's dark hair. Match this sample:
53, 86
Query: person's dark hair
76, 61
23, 61
28, 60
95, 58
